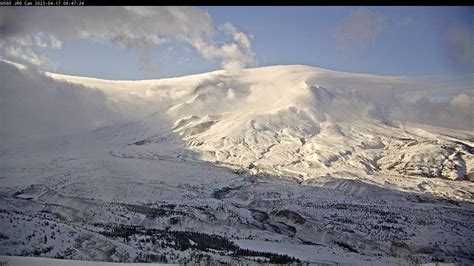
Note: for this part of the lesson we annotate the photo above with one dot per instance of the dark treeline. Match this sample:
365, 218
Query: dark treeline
184, 240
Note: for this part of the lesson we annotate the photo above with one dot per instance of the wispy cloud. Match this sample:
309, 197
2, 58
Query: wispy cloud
459, 40
29, 48
358, 30
28, 33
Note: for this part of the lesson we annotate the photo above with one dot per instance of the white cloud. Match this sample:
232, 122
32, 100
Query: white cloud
358, 30
464, 101
234, 55
455, 112
407, 99
140, 29
25, 54
240, 37
29, 48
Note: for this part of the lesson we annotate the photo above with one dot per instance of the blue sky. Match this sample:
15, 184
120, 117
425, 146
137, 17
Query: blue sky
409, 41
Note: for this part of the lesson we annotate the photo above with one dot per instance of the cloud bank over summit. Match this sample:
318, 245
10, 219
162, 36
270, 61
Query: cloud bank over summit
28, 34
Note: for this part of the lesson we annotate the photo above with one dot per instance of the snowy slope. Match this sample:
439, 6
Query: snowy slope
283, 155
296, 121
18, 261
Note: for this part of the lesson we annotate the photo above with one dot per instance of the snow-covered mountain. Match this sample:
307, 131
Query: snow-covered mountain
295, 120
287, 157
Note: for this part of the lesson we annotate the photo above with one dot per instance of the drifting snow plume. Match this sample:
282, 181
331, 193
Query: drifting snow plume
34, 105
